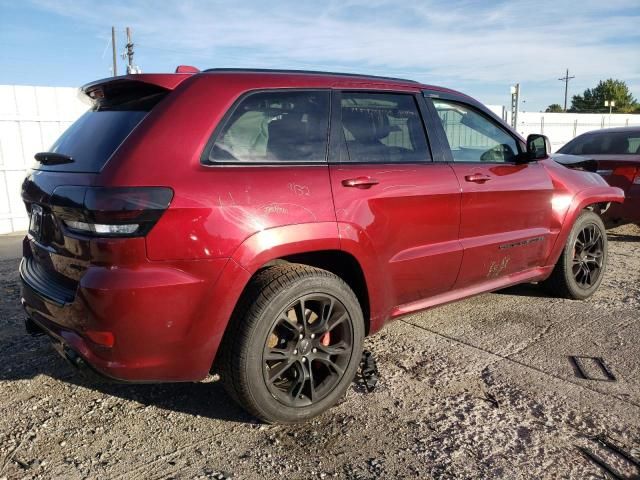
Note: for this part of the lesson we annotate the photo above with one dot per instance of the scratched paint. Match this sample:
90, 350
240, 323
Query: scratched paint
497, 267
299, 190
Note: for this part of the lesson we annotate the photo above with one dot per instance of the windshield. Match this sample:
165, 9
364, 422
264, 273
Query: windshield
604, 143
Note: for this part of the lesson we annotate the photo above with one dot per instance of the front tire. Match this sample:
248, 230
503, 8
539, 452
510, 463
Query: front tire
580, 268
294, 344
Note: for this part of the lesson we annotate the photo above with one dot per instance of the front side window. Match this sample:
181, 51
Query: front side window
383, 128
277, 126
473, 137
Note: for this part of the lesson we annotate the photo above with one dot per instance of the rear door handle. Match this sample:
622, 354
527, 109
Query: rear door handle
477, 178
360, 182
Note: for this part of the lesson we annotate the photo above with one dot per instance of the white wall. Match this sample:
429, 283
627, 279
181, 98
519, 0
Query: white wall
31, 118
562, 127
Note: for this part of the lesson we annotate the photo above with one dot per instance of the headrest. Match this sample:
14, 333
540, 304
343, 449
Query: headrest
364, 124
619, 145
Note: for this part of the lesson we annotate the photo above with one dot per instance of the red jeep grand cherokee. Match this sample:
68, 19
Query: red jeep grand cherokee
260, 223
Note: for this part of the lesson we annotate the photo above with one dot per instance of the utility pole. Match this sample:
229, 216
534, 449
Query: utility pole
515, 102
566, 79
129, 52
113, 51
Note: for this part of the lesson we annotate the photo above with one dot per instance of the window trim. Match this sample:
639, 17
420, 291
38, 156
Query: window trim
440, 151
430, 95
337, 135
206, 161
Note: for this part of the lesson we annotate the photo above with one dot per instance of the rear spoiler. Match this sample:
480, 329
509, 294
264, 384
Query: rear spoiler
109, 89
576, 162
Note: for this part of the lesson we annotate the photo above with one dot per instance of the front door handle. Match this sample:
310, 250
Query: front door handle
360, 182
477, 178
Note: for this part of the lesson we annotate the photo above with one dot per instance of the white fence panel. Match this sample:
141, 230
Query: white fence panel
31, 118
562, 127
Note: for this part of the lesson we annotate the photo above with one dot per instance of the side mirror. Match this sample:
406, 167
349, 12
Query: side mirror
538, 147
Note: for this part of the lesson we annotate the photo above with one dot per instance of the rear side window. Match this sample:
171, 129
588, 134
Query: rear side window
383, 128
473, 137
611, 143
92, 139
278, 126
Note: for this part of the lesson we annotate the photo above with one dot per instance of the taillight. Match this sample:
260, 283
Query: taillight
110, 211
630, 173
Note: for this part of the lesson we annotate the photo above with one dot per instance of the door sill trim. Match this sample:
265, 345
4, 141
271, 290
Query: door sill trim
531, 275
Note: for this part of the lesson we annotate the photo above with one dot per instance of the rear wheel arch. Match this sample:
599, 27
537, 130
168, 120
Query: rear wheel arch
341, 264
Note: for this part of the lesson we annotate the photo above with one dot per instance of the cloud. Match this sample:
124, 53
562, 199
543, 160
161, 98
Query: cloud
457, 43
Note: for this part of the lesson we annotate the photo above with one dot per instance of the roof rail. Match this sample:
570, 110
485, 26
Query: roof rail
304, 72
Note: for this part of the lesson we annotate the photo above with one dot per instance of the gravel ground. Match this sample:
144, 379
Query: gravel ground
481, 388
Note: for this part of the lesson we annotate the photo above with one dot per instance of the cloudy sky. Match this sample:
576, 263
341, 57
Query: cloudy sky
480, 48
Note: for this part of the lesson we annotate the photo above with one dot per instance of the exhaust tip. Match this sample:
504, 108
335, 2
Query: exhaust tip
72, 357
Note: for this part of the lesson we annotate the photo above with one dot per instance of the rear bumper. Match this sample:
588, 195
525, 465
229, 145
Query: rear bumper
167, 319
65, 351
627, 212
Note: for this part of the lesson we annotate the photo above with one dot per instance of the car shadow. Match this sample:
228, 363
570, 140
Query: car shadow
525, 290
25, 357
621, 237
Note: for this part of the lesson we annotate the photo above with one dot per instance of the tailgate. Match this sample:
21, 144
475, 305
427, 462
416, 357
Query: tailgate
53, 263
61, 244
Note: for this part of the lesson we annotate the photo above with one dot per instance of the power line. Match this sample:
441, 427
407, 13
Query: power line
566, 79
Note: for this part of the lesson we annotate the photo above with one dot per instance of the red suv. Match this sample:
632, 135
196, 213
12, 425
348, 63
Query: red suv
260, 223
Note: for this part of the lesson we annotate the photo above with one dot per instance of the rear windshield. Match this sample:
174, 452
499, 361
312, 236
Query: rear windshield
604, 143
92, 139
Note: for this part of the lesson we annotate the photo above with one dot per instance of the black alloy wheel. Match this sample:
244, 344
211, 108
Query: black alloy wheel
588, 256
294, 343
308, 350
582, 263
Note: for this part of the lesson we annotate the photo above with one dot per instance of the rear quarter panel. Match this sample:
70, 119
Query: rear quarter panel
215, 208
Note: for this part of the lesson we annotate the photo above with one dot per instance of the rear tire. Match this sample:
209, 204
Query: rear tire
293, 345
581, 266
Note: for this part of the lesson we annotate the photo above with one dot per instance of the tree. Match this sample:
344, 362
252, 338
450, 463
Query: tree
554, 108
592, 100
